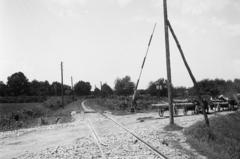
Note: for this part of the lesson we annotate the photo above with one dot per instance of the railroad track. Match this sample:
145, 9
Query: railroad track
101, 144
96, 137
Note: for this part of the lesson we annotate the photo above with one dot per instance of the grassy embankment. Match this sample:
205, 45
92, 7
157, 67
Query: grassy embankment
24, 115
221, 140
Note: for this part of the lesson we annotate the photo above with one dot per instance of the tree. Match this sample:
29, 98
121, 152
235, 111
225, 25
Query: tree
97, 92
124, 86
3, 89
39, 88
158, 87
55, 89
18, 84
152, 89
34, 88
180, 92
216, 87
237, 84
106, 90
67, 89
82, 88
209, 87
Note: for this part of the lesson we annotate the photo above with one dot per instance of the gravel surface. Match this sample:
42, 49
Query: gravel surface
75, 140
151, 128
82, 148
117, 142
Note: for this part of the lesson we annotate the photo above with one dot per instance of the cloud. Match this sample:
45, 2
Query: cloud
204, 15
229, 29
148, 19
198, 7
67, 7
157, 3
236, 65
123, 3
69, 2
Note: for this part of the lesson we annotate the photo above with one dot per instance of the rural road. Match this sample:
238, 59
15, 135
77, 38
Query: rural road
76, 140
49, 139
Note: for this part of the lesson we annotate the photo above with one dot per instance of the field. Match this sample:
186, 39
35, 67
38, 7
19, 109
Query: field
121, 105
23, 99
221, 140
24, 115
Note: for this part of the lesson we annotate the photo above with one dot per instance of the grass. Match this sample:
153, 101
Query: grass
22, 99
221, 140
121, 105
19, 115
24, 115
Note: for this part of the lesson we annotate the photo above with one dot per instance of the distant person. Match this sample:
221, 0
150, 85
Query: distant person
205, 105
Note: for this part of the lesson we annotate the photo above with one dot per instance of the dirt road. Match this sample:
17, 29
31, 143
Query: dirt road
75, 140
53, 141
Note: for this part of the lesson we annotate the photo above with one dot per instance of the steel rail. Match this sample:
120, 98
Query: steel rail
159, 154
152, 148
96, 138
94, 133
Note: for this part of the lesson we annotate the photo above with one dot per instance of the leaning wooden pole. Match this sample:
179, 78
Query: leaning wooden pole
62, 84
190, 72
169, 83
134, 104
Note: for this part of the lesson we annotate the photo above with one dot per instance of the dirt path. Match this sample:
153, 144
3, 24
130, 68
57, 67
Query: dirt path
53, 141
75, 140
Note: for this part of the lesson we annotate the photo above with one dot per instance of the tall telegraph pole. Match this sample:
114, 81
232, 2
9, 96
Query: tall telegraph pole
101, 86
72, 87
62, 84
169, 83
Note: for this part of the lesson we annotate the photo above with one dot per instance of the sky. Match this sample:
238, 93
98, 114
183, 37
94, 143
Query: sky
103, 40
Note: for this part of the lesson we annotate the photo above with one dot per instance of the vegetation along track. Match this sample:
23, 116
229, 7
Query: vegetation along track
102, 146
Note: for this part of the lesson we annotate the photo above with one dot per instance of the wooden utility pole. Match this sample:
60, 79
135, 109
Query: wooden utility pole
72, 87
169, 83
62, 84
101, 86
190, 73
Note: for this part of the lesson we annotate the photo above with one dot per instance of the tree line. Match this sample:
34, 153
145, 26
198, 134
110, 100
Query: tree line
210, 87
19, 85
